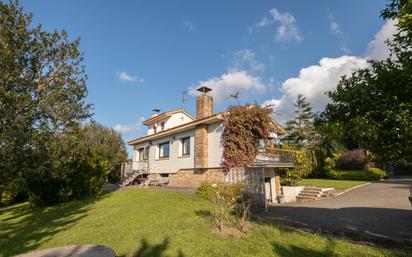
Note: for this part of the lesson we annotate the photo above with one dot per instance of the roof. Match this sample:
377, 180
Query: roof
206, 120
165, 115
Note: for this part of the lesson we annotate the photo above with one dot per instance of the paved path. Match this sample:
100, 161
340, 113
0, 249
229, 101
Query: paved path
379, 211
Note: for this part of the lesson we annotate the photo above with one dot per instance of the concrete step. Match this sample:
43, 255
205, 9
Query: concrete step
305, 198
303, 193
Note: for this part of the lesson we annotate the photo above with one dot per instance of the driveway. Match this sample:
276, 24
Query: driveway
379, 212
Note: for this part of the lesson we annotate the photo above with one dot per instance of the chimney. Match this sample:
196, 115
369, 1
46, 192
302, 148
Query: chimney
204, 103
204, 108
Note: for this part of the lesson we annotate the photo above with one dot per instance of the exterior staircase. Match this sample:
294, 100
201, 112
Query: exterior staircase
310, 193
130, 178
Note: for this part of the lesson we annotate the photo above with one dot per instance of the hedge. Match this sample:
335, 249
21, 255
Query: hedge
370, 174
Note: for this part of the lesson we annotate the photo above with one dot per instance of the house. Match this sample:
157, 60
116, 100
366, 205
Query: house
184, 151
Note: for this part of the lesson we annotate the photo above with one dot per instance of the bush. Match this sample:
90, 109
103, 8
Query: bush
74, 171
230, 204
205, 190
370, 174
353, 160
292, 177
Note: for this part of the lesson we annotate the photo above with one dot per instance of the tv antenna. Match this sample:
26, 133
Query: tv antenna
234, 96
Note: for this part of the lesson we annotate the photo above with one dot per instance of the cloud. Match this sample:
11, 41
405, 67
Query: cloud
313, 81
189, 25
335, 28
287, 28
246, 60
231, 82
124, 76
377, 48
122, 129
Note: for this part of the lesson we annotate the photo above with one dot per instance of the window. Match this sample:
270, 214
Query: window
146, 153
164, 150
143, 153
162, 126
186, 146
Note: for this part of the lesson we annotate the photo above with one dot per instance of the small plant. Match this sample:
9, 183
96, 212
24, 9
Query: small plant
292, 177
231, 206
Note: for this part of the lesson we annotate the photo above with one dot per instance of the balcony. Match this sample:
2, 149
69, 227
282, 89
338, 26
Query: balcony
275, 157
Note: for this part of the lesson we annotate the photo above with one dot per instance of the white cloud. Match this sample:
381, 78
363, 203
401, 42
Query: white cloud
335, 28
246, 60
313, 81
122, 129
230, 83
124, 76
378, 49
189, 25
287, 28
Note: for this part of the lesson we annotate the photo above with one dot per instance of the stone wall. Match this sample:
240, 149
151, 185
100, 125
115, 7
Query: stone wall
201, 146
194, 177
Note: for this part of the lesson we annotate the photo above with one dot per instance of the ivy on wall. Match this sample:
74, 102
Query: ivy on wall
244, 126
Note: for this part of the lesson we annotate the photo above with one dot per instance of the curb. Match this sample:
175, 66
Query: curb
352, 188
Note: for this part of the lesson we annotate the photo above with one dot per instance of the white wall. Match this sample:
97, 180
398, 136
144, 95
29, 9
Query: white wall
175, 161
175, 120
215, 150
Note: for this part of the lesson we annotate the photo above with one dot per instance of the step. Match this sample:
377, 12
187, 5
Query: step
301, 198
313, 189
309, 194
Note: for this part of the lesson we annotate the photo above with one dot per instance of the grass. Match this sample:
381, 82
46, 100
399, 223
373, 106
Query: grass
139, 222
337, 184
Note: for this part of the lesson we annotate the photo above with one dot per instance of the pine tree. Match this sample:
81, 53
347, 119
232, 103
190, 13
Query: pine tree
300, 130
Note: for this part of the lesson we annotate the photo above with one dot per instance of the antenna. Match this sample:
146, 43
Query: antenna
234, 96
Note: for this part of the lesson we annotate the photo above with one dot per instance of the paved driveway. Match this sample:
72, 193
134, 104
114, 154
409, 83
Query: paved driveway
379, 211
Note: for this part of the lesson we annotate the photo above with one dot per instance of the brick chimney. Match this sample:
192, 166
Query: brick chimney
204, 108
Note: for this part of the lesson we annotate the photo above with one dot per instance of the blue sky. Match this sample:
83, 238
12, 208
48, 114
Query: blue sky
145, 54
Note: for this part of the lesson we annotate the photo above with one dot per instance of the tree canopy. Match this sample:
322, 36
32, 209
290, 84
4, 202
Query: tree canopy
372, 108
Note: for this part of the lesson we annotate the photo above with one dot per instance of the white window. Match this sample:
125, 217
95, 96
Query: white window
164, 150
185, 146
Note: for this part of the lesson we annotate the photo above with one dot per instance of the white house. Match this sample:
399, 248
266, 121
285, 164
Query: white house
184, 151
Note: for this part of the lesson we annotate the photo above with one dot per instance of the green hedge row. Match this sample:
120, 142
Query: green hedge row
370, 174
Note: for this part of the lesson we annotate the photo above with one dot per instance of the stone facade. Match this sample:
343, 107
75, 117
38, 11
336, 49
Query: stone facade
204, 106
201, 146
194, 177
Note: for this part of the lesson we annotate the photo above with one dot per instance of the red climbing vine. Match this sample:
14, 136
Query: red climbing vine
244, 126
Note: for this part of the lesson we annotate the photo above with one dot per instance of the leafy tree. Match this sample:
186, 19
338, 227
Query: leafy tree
300, 130
42, 92
107, 143
372, 108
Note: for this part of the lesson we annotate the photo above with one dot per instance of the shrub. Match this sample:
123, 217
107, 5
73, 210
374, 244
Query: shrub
205, 190
370, 174
230, 205
353, 160
292, 177
74, 171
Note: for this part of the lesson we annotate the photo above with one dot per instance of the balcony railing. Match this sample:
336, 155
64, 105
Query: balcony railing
275, 157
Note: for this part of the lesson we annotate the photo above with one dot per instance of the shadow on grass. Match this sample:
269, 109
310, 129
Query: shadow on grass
296, 251
26, 229
154, 250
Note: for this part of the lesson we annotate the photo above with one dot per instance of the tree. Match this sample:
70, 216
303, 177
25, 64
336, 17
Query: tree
42, 92
300, 130
372, 108
107, 143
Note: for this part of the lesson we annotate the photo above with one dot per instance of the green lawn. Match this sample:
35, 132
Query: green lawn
140, 222
337, 184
